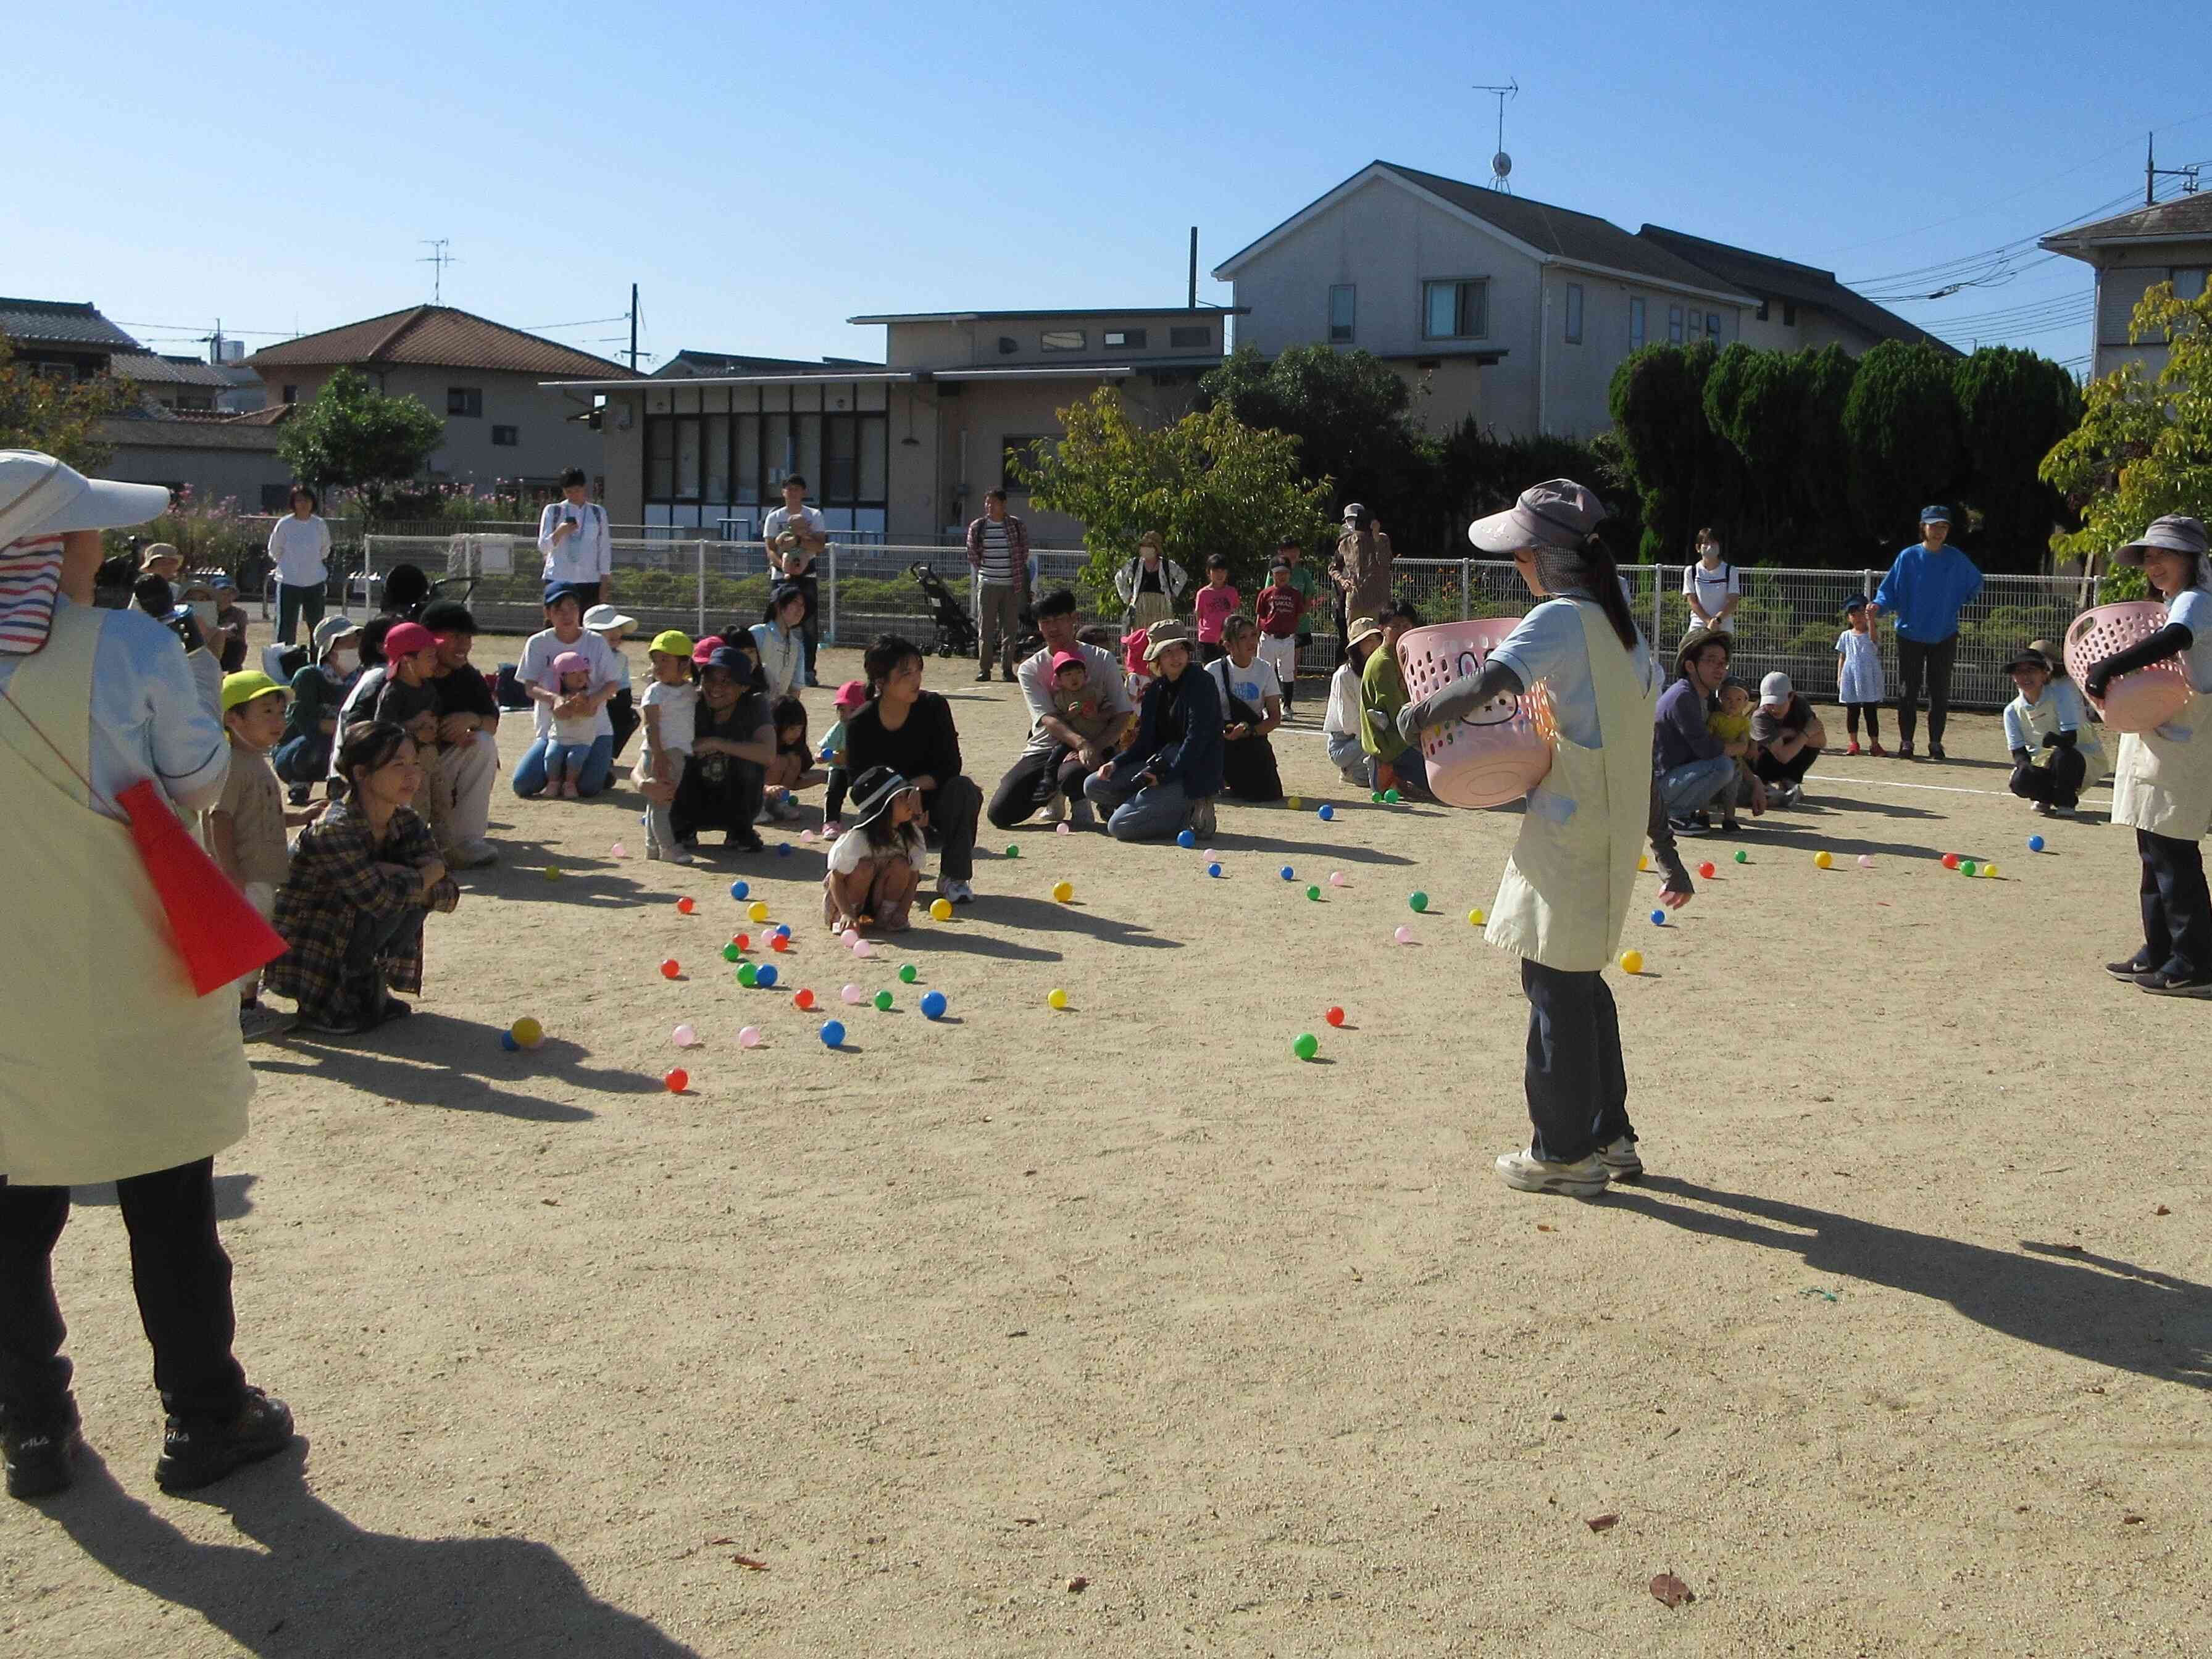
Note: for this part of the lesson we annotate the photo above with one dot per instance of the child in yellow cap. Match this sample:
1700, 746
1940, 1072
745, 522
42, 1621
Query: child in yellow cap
244, 830
672, 712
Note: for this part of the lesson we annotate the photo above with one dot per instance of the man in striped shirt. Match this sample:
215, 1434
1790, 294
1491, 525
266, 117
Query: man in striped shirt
998, 548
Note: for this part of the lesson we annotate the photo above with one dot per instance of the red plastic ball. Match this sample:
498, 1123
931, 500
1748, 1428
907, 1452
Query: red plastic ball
780, 941
671, 968
685, 906
678, 1080
742, 940
1707, 870
1950, 861
1335, 1016
803, 1001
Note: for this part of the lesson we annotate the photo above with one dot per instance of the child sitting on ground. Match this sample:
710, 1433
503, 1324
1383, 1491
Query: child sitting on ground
876, 865
572, 734
245, 830
1280, 608
2054, 747
850, 699
1858, 676
789, 770
671, 714
1731, 723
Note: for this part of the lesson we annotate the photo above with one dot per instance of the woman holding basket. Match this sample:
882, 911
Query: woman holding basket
1572, 877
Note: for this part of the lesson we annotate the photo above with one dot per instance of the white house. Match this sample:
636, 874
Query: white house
2169, 242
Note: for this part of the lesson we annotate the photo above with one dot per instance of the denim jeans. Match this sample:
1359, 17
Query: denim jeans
303, 759
296, 605
528, 778
1349, 758
1577, 1085
1135, 812
1686, 788
2176, 909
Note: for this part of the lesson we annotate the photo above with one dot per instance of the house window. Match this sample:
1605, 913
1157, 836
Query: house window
1456, 310
1021, 449
1762, 310
1064, 340
2188, 281
1196, 337
1125, 339
1574, 313
1343, 314
1675, 325
1636, 325
1789, 314
1712, 325
506, 437
465, 400
291, 394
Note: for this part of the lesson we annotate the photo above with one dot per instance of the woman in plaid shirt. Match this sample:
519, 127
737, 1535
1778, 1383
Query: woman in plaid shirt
363, 876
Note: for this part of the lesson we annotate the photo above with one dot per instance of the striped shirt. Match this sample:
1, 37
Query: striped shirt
998, 556
30, 581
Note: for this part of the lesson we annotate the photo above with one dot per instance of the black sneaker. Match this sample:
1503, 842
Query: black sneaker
297, 794
194, 1455
746, 841
2134, 966
1689, 824
2159, 983
1935, 751
1904, 750
982, 676
40, 1459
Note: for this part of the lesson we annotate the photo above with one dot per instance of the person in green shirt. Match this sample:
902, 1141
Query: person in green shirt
1290, 552
1395, 762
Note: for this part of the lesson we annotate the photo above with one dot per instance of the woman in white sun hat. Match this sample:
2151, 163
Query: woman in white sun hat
93, 703
1570, 881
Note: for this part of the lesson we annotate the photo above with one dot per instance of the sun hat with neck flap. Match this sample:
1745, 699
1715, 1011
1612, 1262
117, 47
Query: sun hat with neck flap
41, 500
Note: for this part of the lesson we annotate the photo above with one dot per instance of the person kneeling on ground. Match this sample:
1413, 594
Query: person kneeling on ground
363, 877
1252, 704
1394, 763
1166, 781
876, 866
1790, 738
848, 701
912, 731
2054, 748
457, 793
1341, 725
1060, 753
732, 743
311, 718
1696, 767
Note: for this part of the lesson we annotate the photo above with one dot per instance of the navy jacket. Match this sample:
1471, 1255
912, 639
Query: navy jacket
1195, 759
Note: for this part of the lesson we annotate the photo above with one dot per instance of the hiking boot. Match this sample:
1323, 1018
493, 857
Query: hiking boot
38, 1458
1525, 1173
198, 1453
1621, 1161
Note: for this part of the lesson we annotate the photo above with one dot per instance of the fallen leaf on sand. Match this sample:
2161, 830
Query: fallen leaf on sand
1671, 1590
550, 1203
747, 1561
720, 1540
1025, 1520
1078, 1584
1603, 1522
1546, 1226
2161, 1210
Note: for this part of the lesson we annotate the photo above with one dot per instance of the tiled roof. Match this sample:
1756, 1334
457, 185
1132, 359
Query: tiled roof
2183, 216
160, 432
62, 323
1770, 278
436, 336
148, 370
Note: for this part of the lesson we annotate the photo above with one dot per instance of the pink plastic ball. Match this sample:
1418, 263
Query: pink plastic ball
1336, 878
864, 950
1865, 862
852, 994
1404, 935
850, 937
750, 1037
806, 835
683, 1037
1060, 829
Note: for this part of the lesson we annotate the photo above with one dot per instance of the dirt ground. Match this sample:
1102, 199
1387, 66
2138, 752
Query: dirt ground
1902, 1349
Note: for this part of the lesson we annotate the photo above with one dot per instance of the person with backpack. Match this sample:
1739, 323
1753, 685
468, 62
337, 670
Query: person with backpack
1713, 587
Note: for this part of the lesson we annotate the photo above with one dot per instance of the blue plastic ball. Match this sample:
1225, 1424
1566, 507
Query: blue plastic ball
932, 1005
1289, 875
764, 975
739, 889
1213, 869
783, 929
2035, 844
783, 849
507, 1041
1187, 838
1658, 918
1327, 812
833, 1034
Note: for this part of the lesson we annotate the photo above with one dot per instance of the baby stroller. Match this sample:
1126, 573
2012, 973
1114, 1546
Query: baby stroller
956, 629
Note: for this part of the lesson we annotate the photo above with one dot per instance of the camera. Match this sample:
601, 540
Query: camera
183, 621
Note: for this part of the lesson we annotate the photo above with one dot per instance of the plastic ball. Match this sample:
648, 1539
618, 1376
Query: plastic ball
908, 974
864, 950
1741, 856
2035, 844
686, 904
683, 1037
850, 937
1327, 812
619, 851
738, 890
1294, 802
783, 929
742, 940
765, 976
526, 1031
507, 1041
1404, 935
1823, 859
884, 1000
1391, 797
1968, 868
1314, 893
853, 995
757, 910
1631, 961
748, 975
1013, 850
1062, 828
1642, 862
802, 1000
1213, 869
779, 941
749, 1037
806, 836
1709, 869
730, 953
1055, 998
1865, 862
671, 968
1950, 861
1375, 797
1211, 855
1306, 1046
1475, 918
1186, 839
552, 874
1062, 891
940, 909
1658, 918
1335, 1016
1336, 878
1988, 870
932, 1005
783, 849
833, 1034
1287, 874
1419, 900
677, 1080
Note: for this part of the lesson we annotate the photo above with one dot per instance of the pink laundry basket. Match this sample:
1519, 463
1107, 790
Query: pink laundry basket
2141, 701
1501, 751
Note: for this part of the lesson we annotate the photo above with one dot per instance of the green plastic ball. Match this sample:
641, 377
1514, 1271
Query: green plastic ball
1306, 1046
1419, 900
748, 975
1013, 850
884, 1000
730, 953
1376, 796
907, 974
1313, 893
1968, 867
1391, 797
1741, 856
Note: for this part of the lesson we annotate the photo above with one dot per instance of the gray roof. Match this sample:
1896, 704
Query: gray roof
689, 363
62, 323
1770, 278
148, 370
1100, 312
2185, 218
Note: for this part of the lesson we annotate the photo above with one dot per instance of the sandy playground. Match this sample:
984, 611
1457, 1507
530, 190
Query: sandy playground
1119, 1330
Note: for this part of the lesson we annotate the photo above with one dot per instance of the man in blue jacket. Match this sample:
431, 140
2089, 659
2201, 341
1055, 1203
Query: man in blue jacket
1927, 588
1166, 782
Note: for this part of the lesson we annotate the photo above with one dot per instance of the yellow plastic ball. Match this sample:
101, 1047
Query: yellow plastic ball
756, 911
526, 1032
1631, 961
941, 910
1988, 870
1475, 918
1055, 998
1063, 890
1822, 861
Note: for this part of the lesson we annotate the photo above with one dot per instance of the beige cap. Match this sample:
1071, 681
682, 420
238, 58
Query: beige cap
1361, 627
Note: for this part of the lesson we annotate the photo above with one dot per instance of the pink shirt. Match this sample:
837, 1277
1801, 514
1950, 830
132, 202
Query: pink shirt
1214, 606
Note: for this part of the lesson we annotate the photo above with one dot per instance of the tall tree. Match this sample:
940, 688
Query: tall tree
2014, 405
61, 417
1687, 475
1901, 423
354, 437
1823, 453
1755, 401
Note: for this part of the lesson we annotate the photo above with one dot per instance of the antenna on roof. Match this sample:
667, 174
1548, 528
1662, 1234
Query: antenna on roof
438, 259
1501, 164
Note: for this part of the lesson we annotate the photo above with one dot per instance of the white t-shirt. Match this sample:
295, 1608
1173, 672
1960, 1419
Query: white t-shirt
1342, 717
1712, 589
853, 845
535, 669
679, 713
2059, 709
780, 520
1549, 645
301, 548
1254, 684
782, 657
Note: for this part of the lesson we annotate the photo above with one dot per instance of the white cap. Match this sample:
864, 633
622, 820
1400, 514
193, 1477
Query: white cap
1775, 690
600, 617
40, 496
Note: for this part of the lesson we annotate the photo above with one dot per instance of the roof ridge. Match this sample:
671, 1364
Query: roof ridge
408, 319
1532, 200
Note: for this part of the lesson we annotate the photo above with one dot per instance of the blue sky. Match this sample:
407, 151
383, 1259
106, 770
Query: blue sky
765, 175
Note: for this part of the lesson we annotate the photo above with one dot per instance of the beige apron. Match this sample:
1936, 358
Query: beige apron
1569, 884
109, 1065
2164, 784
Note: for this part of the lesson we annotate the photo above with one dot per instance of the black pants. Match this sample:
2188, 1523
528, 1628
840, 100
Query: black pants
1792, 771
833, 797
177, 1267
719, 792
810, 625
1913, 661
1577, 1085
622, 713
1872, 720
954, 806
2058, 784
2176, 909
1032, 780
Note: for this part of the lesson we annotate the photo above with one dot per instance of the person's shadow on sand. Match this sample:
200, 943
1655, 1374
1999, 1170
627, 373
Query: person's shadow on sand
311, 1582
2108, 1312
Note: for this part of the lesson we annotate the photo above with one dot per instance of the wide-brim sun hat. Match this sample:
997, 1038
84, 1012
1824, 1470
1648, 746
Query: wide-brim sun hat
42, 496
2174, 533
1695, 643
1361, 627
1161, 636
1557, 513
601, 617
332, 629
873, 791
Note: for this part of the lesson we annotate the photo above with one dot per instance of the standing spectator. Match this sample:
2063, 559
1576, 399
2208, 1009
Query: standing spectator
781, 644
1288, 552
579, 549
1713, 587
300, 555
1165, 781
459, 789
1927, 587
1696, 769
311, 718
565, 631
1280, 610
1343, 723
115, 1070
1213, 605
732, 743
245, 828
671, 713
1361, 567
1032, 781
998, 548
1787, 738
1151, 584
2054, 746
912, 731
1858, 675
793, 536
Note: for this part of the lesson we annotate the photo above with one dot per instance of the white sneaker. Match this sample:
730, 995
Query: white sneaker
471, 855
1055, 808
788, 809
676, 853
958, 892
1621, 1161
1525, 1173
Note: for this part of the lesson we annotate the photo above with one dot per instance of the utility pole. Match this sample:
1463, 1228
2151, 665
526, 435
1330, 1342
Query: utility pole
1192, 301
633, 328
2153, 173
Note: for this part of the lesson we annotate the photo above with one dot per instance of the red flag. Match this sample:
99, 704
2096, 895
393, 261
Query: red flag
216, 930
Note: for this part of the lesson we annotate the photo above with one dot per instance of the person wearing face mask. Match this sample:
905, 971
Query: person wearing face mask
192, 620
319, 690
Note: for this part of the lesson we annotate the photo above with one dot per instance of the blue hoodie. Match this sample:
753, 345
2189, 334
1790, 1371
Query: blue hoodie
1925, 592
